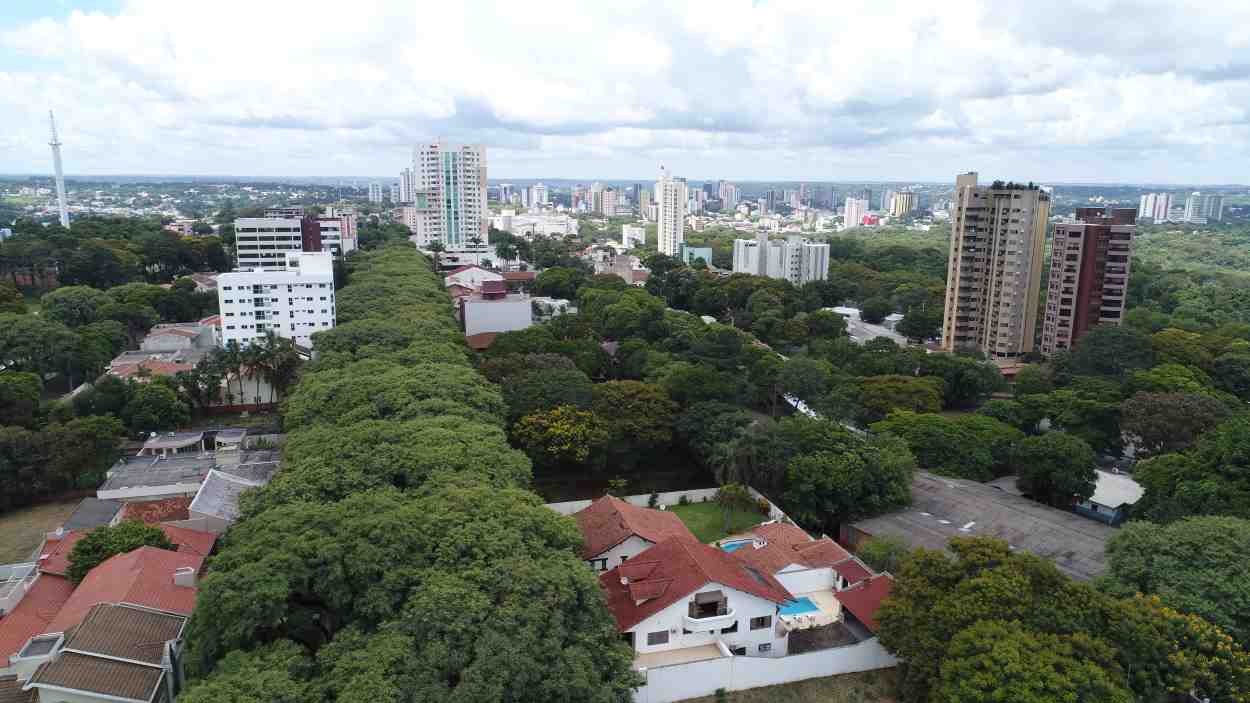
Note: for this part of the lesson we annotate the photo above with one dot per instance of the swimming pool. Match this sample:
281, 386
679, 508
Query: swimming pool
733, 546
799, 606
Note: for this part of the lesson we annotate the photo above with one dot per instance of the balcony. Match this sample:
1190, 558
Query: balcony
709, 611
710, 622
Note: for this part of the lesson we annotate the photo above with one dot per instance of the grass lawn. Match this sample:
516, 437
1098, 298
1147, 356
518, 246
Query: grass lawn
22, 531
707, 520
257, 423
867, 687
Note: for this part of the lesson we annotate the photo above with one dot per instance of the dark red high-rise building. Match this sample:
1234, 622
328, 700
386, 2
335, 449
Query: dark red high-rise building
1089, 270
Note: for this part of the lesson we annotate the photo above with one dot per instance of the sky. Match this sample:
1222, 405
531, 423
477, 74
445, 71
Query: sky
1134, 91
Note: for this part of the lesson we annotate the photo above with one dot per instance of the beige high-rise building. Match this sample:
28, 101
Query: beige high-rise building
453, 177
902, 203
670, 196
993, 279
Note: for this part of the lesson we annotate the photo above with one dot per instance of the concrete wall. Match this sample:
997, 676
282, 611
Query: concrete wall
807, 580
617, 555
665, 684
694, 495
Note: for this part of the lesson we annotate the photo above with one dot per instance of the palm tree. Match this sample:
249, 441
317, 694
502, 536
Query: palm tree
252, 360
506, 251
436, 248
281, 365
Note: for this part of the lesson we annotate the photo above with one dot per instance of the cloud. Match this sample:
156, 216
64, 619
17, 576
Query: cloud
872, 89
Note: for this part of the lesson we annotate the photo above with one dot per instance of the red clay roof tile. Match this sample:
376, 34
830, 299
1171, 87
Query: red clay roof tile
609, 521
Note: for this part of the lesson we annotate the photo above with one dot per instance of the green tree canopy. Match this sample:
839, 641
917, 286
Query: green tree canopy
103, 542
826, 489
942, 445
1055, 468
882, 395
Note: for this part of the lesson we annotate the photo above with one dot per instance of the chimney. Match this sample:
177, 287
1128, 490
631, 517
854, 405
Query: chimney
185, 576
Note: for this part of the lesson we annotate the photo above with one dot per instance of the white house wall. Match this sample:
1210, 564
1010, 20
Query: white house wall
807, 580
745, 607
628, 549
665, 684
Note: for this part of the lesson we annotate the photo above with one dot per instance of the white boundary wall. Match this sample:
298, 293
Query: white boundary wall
665, 684
694, 495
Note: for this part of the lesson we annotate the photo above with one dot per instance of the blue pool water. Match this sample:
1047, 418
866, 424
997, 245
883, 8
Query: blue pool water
733, 546
799, 606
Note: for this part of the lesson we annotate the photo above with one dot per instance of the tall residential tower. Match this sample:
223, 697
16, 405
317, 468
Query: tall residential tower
998, 238
670, 196
450, 193
1089, 270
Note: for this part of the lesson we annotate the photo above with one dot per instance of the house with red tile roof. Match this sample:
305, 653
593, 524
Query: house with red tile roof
615, 530
54, 558
43, 599
150, 577
681, 594
471, 277
864, 599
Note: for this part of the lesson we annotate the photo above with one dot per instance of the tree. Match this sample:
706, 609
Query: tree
875, 310
1168, 422
1112, 350
399, 597
1173, 346
999, 437
1009, 412
885, 553
885, 394
995, 661
1211, 478
1055, 468
19, 398
103, 542
921, 323
1232, 374
826, 489
732, 498
74, 306
78, 453
714, 433
1197, 565
11, 299
1033, 380
154, 407
940, 445
559, 282
826, 324
562, 435
805, 378
639, 416
278, 672
543, 389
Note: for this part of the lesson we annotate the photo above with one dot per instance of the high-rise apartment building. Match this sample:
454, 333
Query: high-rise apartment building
998, 238
1155, 206
608, 202
538, 195
262, 243
854, 213
795, 259
728, 194
293, 301
452, 179
1089, 270
902, 203
338, 230
375, 192
645, 202
395, 192
670, 196
407, 185
1201, 209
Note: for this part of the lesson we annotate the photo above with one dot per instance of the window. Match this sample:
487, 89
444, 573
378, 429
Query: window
731, 628
654, 638
596, 564
762, 622
766, 647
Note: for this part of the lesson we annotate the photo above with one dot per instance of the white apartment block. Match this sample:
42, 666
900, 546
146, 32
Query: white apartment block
264, 242
670, 196
375, 192
407, 185
796, 259
452, 178
855, 210
538, 195
293, 302
338, 230
1156, 206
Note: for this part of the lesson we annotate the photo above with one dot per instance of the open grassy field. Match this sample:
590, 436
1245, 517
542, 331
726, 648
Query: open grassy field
707, 520
22, 531
867, 687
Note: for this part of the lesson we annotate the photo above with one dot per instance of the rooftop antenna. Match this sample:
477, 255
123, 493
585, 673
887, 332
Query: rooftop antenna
60, 175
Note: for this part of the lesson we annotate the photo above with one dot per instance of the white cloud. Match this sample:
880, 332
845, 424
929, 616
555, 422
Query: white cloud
1081, 89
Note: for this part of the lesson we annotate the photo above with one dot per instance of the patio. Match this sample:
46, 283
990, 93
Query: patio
677, 656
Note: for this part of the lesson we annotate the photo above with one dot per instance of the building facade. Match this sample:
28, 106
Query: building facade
375, 192
855, 210
633, 236
1201, 209
670, 196
903, 203
450, 195
998, 238
1155, 206
1089, 272
795, 259
264, 242
293, 302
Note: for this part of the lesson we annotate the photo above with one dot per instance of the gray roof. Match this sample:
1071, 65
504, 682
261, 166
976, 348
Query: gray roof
174, 440
943, 508
92, 513
150, 471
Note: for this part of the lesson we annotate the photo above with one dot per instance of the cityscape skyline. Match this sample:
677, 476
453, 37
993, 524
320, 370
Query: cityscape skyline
763, 93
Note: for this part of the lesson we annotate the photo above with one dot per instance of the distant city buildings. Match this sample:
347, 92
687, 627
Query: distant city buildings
903, 203
1201, 209
728, 194
407, 185
449, 201
263, 242
1089, 274
856, 208
671, 196
375, 192
538, 195
293, 302
998, 237
794, 259
1155, 207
